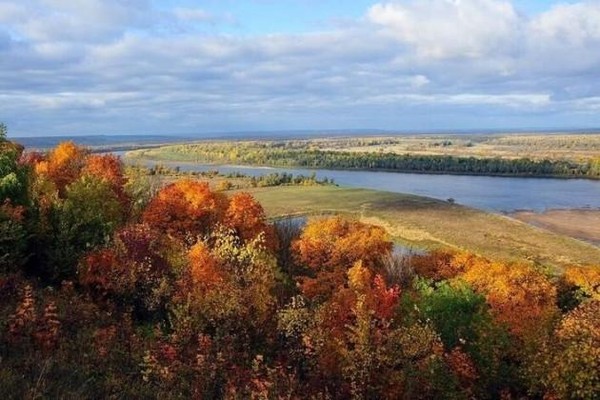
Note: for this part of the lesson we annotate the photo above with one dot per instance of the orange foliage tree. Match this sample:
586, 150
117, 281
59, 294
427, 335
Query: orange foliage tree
108, 168
585, 279
185, 209
226, 285
354, 346
63, 164
519, 296
328, 247
247, 217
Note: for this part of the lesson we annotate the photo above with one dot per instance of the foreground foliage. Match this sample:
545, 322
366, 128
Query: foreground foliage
109, 290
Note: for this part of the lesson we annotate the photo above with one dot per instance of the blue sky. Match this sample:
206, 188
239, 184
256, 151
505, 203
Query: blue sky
297, 16
183, 66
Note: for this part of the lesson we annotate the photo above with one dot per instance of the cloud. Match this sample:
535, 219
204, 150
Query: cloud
449, 28
84, 21
102, 66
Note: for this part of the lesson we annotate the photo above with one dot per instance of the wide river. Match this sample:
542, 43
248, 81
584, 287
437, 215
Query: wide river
489, 193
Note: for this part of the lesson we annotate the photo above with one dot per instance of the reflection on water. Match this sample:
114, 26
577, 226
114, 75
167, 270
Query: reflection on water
406, 251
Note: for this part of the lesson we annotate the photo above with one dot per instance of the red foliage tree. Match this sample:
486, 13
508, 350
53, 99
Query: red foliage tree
136, 270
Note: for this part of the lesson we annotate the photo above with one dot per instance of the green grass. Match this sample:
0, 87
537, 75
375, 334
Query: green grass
431, 223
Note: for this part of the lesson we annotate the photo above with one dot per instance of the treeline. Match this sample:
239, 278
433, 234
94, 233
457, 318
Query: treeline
274, 154
516, 142
548, 142
284, 179
265, 180
111, 290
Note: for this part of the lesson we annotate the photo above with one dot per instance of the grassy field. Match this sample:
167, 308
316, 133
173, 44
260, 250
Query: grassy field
430, 223
574, 147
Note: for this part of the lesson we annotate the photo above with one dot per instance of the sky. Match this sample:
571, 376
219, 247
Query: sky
191, 67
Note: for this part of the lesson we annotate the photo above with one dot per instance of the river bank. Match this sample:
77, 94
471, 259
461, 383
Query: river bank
583, 224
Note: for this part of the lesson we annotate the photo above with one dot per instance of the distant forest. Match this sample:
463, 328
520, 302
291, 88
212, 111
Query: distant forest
278, 154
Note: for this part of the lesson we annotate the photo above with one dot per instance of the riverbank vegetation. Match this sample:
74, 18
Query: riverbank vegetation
308, 154
236, 180
113, 288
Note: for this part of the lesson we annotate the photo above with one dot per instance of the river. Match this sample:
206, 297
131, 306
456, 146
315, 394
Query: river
497, 194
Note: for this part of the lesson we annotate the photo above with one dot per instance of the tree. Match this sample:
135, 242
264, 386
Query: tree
64, 165
227, 286
328, 247
108, 168
14, 204
247, 217
576, 285
85, 219
519, 296
138, 270
13, 237
14, 176
455, 310
185, 209
140, 188
567, 364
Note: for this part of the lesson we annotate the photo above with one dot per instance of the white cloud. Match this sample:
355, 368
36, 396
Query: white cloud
104, 63
449, 28
574, 24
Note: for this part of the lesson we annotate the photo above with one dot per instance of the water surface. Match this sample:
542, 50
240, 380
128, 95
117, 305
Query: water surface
498, 194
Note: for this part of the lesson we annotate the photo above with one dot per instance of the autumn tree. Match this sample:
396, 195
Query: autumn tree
227, 284
85, 219
185, 209
63, 165
108, 168
328, 247
578, 284
138, 270
567, 364
365, 357
246, 216
519, 296
13, 237
14, 204
440, 265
